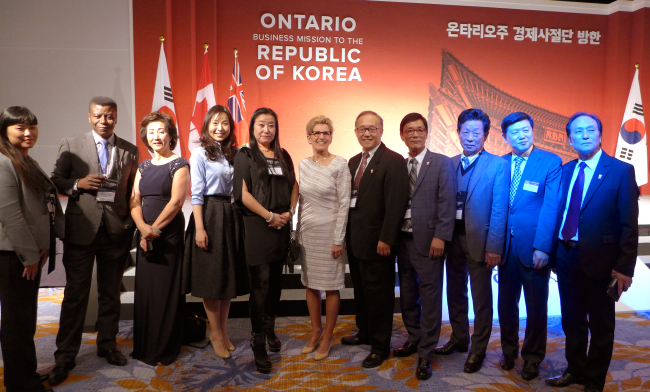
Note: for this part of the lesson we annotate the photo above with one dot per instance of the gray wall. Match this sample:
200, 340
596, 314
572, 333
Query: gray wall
56, 55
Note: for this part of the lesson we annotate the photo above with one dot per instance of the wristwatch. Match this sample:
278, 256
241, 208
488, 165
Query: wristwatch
75, 188
156, 230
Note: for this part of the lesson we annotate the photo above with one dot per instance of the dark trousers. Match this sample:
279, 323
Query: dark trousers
420, 286
18, 300
586, 307
374, 298
265, 294
78, 261
459, 265
512, 276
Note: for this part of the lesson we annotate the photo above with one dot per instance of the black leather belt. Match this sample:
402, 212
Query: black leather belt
570, 244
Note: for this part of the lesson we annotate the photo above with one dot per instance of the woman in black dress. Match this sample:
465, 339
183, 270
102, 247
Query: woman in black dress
214, 267
267, 192
29, 208
158, 195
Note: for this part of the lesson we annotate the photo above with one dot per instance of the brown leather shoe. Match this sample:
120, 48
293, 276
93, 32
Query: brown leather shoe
449, 348
473, 363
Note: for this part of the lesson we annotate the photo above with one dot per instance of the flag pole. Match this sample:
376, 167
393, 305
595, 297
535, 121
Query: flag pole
161, 38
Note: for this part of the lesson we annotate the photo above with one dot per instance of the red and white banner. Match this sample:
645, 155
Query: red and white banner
204, 101
237, 104
632, 144
163, 100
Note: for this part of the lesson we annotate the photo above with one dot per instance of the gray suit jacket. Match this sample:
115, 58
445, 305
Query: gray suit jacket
78, 158
433, 204
486, 207
24, 217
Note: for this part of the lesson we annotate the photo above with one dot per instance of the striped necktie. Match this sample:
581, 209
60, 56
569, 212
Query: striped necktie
413, 177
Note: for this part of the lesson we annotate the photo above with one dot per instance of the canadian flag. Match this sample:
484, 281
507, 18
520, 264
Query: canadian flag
163, 101
204, 101
632, 146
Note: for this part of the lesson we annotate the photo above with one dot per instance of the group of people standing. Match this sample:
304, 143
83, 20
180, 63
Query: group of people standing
471, 213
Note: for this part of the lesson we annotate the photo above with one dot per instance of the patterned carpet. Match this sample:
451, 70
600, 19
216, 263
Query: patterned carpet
199, 369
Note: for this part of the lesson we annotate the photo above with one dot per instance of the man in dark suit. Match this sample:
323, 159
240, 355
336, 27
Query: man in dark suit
534, 202
428, 224
597, 236
479, 237
96, 171
379, 197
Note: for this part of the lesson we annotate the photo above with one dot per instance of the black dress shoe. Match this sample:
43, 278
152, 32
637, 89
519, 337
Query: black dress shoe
114, 357
591, 388
58, 375
563, 380
449, 348
372, 361
406, 350
423, 371
507, 362
531, 370
354, 340
473, 363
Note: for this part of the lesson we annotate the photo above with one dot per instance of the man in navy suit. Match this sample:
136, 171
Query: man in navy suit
534, 202
428, 224
479, 237
597, 238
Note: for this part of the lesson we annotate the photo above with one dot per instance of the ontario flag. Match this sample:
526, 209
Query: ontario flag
163, 101
237, 104
204, 101
632, 144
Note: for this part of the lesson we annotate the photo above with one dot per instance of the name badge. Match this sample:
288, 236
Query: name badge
353, 198
275, 169
460, 204
531, 186
106, 192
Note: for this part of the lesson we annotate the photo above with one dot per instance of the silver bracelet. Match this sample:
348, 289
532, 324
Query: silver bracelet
271, 218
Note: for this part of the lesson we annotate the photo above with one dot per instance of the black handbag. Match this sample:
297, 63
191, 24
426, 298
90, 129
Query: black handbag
294, 251
194, 329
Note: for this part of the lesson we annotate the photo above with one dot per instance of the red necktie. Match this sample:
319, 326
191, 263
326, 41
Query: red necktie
364, 162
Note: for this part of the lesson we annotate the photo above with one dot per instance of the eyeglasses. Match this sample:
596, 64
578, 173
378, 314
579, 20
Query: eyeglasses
418, 131
372, 130
318, 134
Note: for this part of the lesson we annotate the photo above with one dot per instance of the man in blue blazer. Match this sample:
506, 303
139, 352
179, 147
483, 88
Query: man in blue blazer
597, 236
534, 202
479, 237
428, 224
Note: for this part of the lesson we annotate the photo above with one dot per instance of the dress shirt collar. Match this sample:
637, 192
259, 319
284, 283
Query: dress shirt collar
371, 152
472, 158
526, 153
419, 157
591, 162
98, 139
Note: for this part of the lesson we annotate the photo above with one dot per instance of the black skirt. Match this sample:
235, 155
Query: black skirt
219, 272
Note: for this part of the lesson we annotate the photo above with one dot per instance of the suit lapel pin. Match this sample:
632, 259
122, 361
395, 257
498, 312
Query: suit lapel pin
371, 171
600, 176
427, 163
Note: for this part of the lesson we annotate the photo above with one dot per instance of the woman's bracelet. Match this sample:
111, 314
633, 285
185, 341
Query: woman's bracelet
271, 218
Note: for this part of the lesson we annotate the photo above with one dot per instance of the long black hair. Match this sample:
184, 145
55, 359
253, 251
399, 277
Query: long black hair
26, 167
260, 159
228, 147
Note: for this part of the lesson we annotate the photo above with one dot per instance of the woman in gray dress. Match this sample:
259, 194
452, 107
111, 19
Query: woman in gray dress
325, 183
